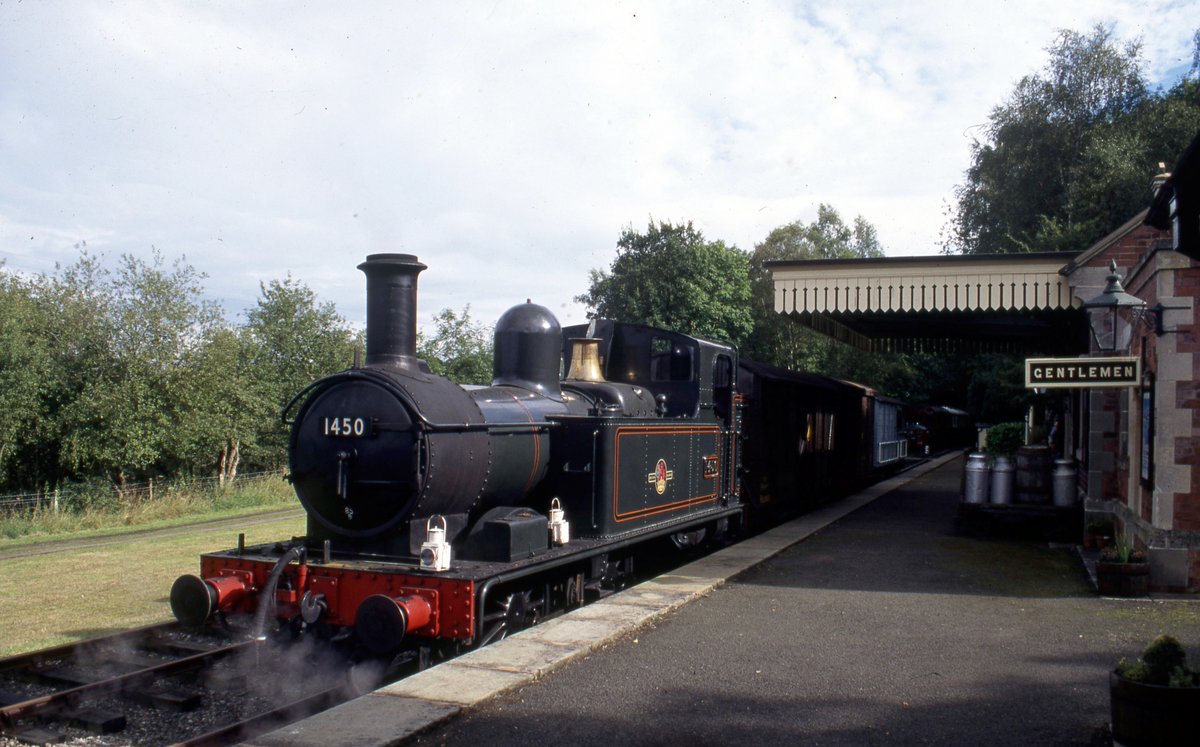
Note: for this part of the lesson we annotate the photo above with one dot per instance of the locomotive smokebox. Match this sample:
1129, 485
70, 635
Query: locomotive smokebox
392, 309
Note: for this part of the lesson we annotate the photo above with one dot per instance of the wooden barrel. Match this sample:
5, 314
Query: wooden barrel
1034, 465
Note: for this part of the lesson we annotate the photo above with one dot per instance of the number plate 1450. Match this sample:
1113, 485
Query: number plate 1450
345, 427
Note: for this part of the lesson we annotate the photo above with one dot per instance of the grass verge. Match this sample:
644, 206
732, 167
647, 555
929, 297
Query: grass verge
175, 506
47, 600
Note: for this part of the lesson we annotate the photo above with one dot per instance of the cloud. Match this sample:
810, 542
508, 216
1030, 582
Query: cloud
504, 143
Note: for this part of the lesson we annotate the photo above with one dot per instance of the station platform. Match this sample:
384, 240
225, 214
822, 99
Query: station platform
868, 621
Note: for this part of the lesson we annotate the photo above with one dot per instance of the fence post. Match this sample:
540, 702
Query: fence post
55, 503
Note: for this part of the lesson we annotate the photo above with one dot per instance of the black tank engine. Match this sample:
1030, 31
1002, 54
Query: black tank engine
374, 447
445, 514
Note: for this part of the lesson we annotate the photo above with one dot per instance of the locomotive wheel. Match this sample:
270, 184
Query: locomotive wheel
573, 593
690, 539
513, 613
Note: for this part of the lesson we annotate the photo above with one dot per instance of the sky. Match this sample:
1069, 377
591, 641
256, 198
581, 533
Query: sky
506, 144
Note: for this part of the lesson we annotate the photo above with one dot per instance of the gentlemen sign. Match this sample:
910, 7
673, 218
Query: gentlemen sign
1050, 373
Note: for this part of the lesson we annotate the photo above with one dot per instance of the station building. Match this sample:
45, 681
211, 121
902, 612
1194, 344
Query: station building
1136, 445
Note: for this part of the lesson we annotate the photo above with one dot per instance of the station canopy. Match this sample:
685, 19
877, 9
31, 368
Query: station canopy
1018, 303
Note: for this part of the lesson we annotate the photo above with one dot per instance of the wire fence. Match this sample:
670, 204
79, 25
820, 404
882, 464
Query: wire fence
68, 497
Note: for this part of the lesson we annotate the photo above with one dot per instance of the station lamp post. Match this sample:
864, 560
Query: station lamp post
1107, 313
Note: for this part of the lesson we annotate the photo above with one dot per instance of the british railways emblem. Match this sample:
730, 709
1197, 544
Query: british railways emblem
660, 476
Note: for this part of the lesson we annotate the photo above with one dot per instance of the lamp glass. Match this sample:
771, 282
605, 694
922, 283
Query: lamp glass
1112, 313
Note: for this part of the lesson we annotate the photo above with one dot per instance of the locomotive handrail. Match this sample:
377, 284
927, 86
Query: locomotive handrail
283, 414
422, 422
515, 427
494, 427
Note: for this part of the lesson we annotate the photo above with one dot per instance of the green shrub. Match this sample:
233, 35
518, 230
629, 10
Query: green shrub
1136, 672
1164, 662
1163, 655
1003, 439
1183, 677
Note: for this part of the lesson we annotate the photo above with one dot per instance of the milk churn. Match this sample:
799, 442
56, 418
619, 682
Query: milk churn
975, 485
1064, 483
1002, 480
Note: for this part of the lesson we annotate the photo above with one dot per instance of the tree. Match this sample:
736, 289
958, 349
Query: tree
780, 341
24, 373
459, 348
995, 393
1070, 155
130, 373
226, 414
130, 408
294, 340
69, 319
671, 277
827, 237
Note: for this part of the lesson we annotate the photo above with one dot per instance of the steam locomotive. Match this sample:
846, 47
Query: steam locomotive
441, 516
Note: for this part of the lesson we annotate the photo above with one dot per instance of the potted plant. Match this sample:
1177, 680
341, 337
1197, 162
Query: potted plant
1122, 571
1003, 440
1154, 700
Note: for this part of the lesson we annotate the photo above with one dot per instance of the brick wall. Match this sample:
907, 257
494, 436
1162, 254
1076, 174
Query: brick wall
1155, 274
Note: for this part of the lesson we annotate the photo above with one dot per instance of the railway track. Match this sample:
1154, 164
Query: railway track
165, 685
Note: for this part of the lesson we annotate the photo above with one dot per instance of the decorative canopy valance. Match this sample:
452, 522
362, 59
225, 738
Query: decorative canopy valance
922, 284
1012, 302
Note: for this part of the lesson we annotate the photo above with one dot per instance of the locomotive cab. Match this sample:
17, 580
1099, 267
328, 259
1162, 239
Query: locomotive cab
649, 471
687, 377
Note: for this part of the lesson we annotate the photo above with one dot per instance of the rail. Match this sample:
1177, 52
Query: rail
268, 720
106, 684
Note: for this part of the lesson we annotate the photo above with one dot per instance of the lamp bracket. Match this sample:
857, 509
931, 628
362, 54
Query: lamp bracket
1152, 317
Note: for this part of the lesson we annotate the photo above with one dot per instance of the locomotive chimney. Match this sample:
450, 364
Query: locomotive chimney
392, 309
